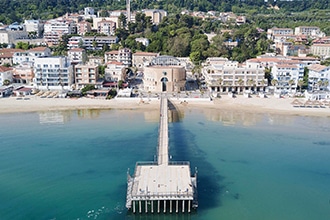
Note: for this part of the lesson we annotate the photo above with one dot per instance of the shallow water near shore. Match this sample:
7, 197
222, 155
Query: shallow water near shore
73, 164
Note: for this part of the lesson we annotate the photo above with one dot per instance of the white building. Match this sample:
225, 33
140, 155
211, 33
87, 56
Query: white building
287, 76
318, 77
30, 55
61, 26
9, 37
89, 12
75, 42
309, 31
113, 71
34, 26
142, 40
54, 73
230, 76
6, 73
283, 32
77, 55
98, 42
322, 50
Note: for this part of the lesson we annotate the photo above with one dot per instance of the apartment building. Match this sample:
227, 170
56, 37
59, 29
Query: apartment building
30, 55
231, 76
322, 50
287, 76
55, 73
113, 71
6, 55
318, 77
6, 73
283, 32
86, 74
83, 27
77, 55
62, 26
110, 18
309, 31
106, 27
123, 55
52, 38
98, 42
34, 26
23, 73
156, 15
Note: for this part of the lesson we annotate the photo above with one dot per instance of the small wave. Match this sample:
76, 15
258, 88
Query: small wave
322, 143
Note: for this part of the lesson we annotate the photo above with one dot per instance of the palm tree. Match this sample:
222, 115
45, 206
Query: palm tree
250, 83
290, 82
240, 82
220, 81
320, 83
300, 84
326, 83
274, 83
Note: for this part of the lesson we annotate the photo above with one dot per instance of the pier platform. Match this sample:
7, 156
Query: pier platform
162, 185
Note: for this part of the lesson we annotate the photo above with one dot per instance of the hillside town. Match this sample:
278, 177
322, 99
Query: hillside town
293, 68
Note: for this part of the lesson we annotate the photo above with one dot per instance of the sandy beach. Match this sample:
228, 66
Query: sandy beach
239, 104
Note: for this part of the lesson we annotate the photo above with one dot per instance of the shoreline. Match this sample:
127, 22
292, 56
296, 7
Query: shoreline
270, 105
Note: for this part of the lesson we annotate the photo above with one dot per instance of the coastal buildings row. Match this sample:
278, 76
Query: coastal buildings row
222, 75
51, 31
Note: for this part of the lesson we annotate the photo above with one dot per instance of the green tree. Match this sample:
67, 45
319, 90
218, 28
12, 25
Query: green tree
122, 21
6, 82
102, 71
291, 82
88, 87
22, 45
300, 84
195, 57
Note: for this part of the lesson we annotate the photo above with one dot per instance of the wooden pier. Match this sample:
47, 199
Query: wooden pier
162, 185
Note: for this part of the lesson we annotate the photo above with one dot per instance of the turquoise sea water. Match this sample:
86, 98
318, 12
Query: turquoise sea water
73, 164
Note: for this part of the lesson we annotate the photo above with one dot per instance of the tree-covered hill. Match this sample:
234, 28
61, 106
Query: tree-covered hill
18, 10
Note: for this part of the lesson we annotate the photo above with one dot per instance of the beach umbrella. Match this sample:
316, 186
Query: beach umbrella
308, 103
317, 104
296, 103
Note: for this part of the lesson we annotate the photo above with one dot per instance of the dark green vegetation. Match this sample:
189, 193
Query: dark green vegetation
183, 35
18, 10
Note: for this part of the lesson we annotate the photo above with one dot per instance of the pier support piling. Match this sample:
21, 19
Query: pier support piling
158, 209
170, 206
152, 206
177, 206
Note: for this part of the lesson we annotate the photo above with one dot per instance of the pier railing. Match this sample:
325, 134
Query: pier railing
164, 196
